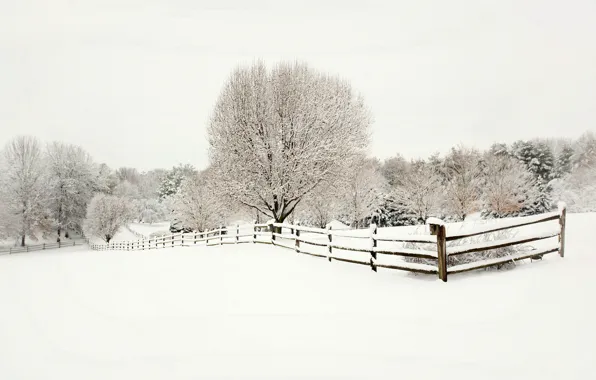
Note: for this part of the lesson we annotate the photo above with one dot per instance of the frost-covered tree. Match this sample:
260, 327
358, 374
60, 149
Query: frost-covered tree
321, 205
585, 151
198, 204
106, 180
106, 214
127, 190
71, 181
537, 157
362, 190
150, 182
394, 168
508, 187
23, 188
130, 175
421, 192
577, 190
277, 134
172, 180
149, 210
463, 190
563, 163
499, 149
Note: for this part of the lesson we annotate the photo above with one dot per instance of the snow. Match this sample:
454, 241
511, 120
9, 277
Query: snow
337, 225
255, 311
147, 229
436, 221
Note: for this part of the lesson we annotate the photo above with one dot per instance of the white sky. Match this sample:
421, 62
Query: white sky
134, 81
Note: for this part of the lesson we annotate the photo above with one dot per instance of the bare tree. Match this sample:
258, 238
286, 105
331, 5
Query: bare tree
320, 206
585, 151
197, 204
23, 187
72, 175
363, 188
127, 189
106, 214
464, 182
421, 191
276, 135
508, 186
577, 190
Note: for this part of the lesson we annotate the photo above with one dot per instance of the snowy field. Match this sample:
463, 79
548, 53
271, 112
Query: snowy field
262, 312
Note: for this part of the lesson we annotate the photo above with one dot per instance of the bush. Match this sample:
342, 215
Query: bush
473, 256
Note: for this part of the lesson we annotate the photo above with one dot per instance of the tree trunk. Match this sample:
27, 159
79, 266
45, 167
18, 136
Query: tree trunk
66, 234
58, 238
23, 240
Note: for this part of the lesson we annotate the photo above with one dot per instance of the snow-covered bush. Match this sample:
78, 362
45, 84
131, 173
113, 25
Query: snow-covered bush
466, 258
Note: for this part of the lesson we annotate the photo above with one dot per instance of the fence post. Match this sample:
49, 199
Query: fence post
164, 241
271, 228
437, 227
330, 237
562, 217
254, 231
221, 235
44, 246
297, 240
195, 239
237, 232
373, 245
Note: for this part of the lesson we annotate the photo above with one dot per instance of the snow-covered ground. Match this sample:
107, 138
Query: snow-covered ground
257, 312
147, 229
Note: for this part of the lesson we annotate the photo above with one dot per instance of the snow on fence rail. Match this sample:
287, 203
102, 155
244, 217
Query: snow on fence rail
367, 247
42, 247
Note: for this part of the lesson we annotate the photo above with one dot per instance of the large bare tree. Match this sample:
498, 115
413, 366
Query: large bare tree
277, 134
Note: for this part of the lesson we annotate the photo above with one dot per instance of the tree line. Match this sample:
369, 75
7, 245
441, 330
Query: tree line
289, 142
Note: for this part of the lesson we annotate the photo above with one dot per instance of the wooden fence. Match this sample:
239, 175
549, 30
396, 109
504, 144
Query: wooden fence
368, 247
42, 247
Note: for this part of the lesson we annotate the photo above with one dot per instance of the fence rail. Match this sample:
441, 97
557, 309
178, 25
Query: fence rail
42, 247
323, 243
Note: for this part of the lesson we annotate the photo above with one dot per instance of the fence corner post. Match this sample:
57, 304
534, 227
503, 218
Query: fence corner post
237, 232
329, 245
437, 227
562, 217
373, 246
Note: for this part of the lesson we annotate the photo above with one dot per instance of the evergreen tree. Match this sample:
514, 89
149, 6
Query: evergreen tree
173, 179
